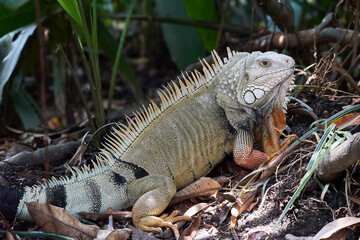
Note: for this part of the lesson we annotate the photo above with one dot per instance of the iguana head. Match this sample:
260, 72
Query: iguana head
253, 80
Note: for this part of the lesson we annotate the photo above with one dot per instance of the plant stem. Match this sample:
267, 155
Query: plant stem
118, 54
77, 84
95, 79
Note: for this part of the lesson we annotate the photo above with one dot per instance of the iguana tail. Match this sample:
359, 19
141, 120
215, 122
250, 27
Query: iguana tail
9, 201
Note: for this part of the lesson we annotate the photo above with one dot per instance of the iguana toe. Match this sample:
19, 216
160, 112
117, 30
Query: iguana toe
154, 224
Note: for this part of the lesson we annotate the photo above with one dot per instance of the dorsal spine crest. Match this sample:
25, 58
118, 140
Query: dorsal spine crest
121, 137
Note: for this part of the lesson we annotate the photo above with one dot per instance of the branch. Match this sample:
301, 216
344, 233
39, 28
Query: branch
194, 23
282, 40
339, 159
280, 12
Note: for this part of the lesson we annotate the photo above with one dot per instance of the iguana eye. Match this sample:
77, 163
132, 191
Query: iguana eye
265, 63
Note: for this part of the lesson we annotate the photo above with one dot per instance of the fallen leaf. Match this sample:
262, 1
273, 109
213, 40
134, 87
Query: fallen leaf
347, 119
117, 234
328, 231
292, 237
57, 220
212, 230
230, 198
240, 206
195, 209
117, 215
139, 234
190, 232
203, 187
257, 235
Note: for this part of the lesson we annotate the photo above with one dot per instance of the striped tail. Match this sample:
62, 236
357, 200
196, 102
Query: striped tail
9, 201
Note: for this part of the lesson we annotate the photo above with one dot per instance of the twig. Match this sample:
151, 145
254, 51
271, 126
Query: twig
279, 40
41, 59
268, 171
195, 23
356, 32
43, 83
347, 76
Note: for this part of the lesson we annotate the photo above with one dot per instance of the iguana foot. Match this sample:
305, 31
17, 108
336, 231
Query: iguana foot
154, 224
289, 139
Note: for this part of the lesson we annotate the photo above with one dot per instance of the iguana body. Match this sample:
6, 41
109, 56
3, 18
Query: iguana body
238, 100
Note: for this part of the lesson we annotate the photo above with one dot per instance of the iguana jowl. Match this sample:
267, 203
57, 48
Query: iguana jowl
236, 101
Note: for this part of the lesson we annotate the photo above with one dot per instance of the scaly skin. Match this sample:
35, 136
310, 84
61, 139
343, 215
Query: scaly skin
238, 101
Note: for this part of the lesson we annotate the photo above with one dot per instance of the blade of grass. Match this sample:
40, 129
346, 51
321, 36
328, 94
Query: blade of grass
118, 54
72, 9
99, 109
309, 173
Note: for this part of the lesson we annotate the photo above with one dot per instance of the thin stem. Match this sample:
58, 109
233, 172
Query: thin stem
99, 109
118, 54
77, 84
86, 65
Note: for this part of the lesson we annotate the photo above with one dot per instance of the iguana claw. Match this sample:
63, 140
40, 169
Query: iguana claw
154, 224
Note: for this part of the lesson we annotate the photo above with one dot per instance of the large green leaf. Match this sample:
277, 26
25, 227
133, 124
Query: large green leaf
24, 104
11, 52
13, 4
15, 19
72, 9
203, 10
183, 42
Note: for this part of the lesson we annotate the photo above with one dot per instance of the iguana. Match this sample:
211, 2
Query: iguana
237, 100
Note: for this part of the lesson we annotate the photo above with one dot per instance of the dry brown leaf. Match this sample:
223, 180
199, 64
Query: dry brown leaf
195, 209
347, 119
57, 220
328, 231
240, 206
117, 215
190, 232
230, 198
117, 234
139, 234
202, 187
223, 213
252, 205
257, 235
293, 237
9, 236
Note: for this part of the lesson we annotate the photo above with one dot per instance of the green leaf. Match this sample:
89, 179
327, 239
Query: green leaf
13, 4
14, 19
108, 44
25, 106
203, 10
72, 9
12, 50
183, 42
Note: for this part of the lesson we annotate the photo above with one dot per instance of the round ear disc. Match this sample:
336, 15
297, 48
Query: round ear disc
249, 97
258, 93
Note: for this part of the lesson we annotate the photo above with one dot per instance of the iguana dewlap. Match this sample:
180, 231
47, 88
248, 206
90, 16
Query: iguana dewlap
236, 101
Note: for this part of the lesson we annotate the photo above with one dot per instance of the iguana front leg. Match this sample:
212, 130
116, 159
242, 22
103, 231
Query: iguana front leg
244, 154
267, 135
153, 194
